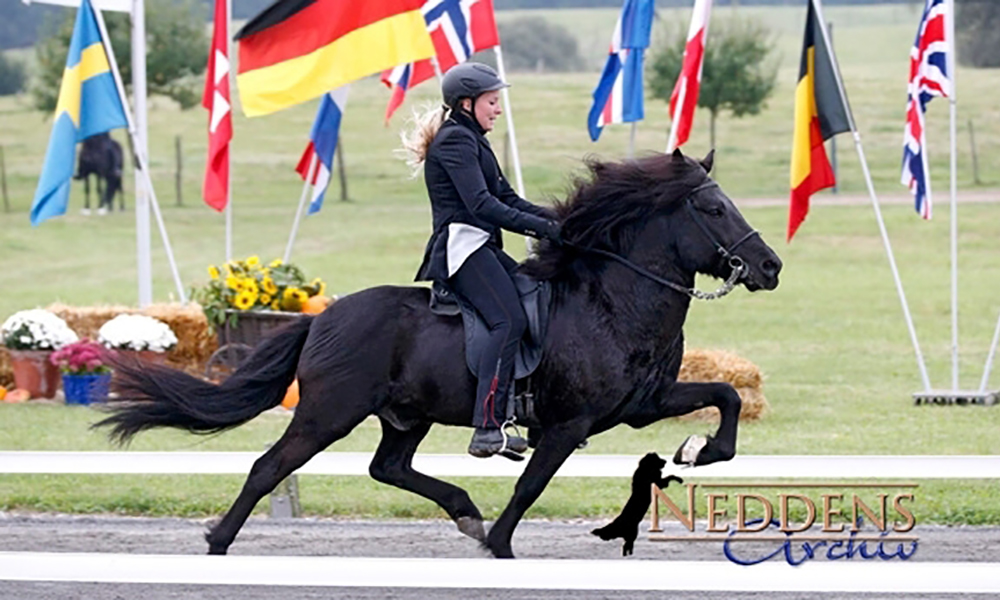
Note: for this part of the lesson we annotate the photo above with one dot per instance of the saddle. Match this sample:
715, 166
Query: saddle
535, 299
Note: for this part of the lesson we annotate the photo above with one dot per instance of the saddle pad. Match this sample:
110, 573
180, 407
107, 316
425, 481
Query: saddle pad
535, 298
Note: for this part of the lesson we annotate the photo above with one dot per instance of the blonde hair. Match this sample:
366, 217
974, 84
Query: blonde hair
418, 134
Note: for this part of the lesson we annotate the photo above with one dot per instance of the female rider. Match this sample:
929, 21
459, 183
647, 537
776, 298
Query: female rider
471, 202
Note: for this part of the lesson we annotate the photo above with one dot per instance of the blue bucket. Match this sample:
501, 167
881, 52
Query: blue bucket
84, 389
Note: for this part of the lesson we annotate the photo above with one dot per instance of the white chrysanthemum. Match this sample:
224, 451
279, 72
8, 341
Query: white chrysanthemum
36, 329
137, 332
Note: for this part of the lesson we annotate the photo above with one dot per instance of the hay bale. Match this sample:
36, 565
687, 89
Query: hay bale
195, 339
720, 365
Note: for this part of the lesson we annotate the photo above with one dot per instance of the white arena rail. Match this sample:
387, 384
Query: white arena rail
457, 465
539, 574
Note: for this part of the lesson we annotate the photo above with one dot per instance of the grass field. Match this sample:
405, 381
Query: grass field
831, 340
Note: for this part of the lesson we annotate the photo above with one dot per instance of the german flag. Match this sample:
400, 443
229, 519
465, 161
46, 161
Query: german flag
821, 112
297, 50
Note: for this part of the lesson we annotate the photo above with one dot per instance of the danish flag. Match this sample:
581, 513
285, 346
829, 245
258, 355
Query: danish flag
929, 77
459, 29
684, 98
215, 189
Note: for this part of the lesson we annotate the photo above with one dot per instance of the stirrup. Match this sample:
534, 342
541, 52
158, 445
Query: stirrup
505, 450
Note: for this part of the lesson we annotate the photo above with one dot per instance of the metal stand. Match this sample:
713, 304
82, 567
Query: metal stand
956, 397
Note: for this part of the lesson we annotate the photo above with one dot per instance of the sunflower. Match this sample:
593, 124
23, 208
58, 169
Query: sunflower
269, 286
275, 305
232, 282
250, 285
213, 271
253, 261
244, 300
293, 298
276, 263
319, 285
265, 299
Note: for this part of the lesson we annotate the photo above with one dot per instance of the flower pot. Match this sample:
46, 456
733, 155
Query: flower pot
146, 356
34, 372
84, 389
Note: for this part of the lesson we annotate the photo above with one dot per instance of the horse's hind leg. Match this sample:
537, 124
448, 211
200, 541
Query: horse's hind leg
392, 464
303, 439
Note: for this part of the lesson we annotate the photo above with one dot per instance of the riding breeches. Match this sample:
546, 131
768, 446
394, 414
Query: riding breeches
484, 280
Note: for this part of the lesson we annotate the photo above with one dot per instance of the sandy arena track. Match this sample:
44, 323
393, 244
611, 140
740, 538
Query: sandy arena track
422, 539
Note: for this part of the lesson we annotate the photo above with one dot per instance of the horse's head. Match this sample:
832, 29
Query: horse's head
710, 235
665, 213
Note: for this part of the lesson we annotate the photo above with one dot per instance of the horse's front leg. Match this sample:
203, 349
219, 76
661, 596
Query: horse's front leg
555, 446
684, 398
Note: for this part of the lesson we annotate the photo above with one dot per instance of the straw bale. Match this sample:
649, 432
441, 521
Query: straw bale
701, 365
6, 374
195, 339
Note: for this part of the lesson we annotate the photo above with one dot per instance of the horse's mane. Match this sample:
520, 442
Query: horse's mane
608, 204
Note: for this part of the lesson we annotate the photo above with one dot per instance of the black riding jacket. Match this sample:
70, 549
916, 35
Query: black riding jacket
471, 199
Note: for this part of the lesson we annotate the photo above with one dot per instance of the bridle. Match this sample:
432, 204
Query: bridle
735, 262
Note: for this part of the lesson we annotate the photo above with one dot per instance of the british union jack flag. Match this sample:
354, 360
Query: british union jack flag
929, 77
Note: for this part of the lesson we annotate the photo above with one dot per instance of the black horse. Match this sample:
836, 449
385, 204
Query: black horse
612, 353
101, 155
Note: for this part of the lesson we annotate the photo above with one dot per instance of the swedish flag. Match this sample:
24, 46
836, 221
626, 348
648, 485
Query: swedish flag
88, 104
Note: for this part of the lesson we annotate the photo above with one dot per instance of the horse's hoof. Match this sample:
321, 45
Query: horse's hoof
217, 550
687, 454
472, 527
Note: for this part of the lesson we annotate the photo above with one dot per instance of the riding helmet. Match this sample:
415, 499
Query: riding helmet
469, 80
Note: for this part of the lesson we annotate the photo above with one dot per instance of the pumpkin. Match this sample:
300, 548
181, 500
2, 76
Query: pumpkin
17, 395
3, 392
291, 396
315, 305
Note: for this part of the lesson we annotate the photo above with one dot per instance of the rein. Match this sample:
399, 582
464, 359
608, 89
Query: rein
735, 262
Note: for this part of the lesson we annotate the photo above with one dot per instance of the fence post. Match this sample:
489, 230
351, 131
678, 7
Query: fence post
285, 498
3, 182
178, 177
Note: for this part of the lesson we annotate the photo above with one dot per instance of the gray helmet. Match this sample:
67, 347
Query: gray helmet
469, 80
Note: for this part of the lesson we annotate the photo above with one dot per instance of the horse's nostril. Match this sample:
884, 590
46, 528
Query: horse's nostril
770, 268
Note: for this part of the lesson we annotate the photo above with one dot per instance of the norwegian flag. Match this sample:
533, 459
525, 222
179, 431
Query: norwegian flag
215, 189
928, 78
684, 98
618, 97
322, 145
459, 29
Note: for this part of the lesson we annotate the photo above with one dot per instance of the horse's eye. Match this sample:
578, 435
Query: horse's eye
715, 211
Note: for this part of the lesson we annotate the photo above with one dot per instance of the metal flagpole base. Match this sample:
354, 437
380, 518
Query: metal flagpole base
959, 397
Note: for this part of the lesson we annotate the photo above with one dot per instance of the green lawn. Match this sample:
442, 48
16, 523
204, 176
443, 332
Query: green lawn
831, 340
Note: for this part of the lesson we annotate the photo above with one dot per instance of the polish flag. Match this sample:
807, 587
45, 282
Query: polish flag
684, 98
215, 190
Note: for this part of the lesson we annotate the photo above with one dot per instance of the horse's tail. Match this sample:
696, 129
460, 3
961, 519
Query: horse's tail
156, 396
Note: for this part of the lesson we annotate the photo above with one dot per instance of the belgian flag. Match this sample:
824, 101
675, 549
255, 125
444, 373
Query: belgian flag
821, 112
297, 50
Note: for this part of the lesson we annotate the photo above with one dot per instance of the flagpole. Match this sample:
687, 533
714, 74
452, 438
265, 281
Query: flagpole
310, 175
672, 137
953, 107
631, 140
510, 123
140, 158
229, 170
989, 359
874, 199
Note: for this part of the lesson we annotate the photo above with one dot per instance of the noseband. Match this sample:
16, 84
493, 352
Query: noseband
736, 263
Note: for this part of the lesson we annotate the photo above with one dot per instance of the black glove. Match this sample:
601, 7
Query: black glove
553, 232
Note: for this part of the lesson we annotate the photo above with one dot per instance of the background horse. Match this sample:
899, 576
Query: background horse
612, 353
102, 156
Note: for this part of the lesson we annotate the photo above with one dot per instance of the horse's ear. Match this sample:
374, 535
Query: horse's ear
678, 156
706, 163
